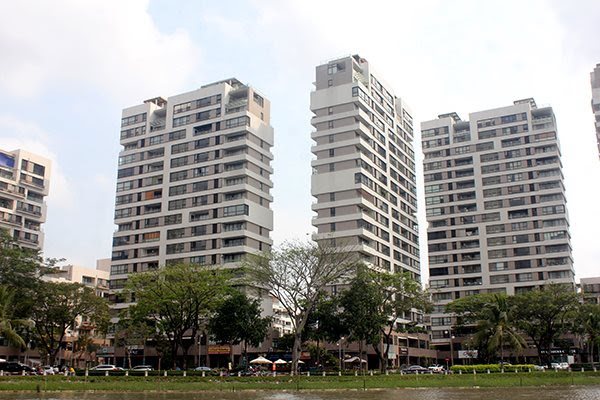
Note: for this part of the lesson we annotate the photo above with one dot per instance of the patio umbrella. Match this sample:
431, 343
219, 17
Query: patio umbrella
261, 360
299, 362
280, 361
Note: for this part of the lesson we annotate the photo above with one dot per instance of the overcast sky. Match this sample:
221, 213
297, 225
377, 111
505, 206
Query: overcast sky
68, 68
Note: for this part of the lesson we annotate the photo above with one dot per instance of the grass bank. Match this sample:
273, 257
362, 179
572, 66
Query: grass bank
193, 384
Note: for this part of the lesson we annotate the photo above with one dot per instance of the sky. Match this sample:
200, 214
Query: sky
68, 68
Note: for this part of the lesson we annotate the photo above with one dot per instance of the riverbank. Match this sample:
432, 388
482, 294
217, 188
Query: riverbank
197, 384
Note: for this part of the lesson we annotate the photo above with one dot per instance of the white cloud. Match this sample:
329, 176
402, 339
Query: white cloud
439, 56
111, 45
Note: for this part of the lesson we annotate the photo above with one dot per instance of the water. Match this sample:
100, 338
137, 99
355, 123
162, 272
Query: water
540, 393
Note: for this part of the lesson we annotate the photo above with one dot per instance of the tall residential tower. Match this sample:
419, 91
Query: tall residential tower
364, 172
496, 205
24, 183
194, 180
595, 80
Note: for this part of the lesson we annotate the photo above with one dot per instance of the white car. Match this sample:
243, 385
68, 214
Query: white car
560, 366
48, 370
142, 368
104, 367
436, 368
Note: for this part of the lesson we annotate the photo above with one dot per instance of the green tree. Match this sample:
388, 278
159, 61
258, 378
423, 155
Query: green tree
545, 314
325, 324
361, 314
469, 311
496, 326
297, 274
284, 343
587, 323
377, 304
400, 296
495, 323
8, 322
20, 267
238, 320
57, 306
177, 300
130, 333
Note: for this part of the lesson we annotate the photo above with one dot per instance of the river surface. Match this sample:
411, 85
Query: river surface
539, 393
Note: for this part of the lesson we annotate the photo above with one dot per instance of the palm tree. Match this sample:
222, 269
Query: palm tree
587, 323
495, 327
7, 320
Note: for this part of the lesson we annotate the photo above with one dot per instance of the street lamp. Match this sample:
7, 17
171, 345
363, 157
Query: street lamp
452, 350
199, 349
340, 352
451, 337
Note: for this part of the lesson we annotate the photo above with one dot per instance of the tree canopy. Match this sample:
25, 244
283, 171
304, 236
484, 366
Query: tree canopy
297, 274
57, 307
178, 300
545, 314
238, 320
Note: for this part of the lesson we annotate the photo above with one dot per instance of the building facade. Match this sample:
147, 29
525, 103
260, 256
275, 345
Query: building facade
496, 206
595, 81
590, 289
24, 184
94, 278
194, 181
364, 172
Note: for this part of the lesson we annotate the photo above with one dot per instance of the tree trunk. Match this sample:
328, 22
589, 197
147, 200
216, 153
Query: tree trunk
296, 351
184, 350
592, 353
379, 354
388, 339
245, 356
360, 352
174, 351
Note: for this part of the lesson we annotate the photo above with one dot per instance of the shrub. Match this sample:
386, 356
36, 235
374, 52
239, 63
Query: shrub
483, 368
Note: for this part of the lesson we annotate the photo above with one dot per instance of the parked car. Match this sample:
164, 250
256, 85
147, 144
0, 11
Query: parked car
539, 367
415, 369
104, 367
142, 368
436, 368
203, 368
13, 367
48, 370
560, 365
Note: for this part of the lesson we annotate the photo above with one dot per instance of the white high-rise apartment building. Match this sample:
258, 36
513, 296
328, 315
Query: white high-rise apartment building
194, 181
595, 80
496, 205
24, 183
364, 172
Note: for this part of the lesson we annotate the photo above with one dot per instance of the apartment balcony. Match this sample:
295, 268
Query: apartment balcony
29, 211
542, 120
157, 125
13, 191
35, 183
10, 219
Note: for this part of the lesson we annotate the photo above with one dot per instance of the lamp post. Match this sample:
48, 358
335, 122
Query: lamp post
451, 337
340, 353
199, 349
452, 350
